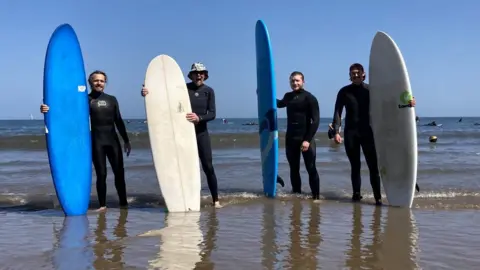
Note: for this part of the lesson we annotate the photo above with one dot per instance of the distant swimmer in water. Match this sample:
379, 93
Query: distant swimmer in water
432, 139
250, 124
432, 124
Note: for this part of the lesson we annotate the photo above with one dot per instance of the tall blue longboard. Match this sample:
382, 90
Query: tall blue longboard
267, 109
67, 124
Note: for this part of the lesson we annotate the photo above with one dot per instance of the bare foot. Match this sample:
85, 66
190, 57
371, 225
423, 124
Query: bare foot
101, 209
317, 201
217, 204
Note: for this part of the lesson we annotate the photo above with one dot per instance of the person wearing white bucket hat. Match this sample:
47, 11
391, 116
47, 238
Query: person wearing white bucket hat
202, 99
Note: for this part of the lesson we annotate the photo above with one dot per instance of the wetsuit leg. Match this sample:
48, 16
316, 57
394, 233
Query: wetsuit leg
205, 155
352, 147
115, 157
368, 146
292, 151
99, 159
309, 158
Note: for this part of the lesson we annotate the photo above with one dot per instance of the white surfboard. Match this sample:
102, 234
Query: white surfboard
393, 121
180, 242
172, 137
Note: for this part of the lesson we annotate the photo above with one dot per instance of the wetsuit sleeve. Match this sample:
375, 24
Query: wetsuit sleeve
281, 103
120, 124
211, 108
337, 113
315, 118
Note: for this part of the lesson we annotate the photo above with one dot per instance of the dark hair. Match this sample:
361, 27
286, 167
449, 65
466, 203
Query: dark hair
295, 73
96, 72
356, 66
359, 67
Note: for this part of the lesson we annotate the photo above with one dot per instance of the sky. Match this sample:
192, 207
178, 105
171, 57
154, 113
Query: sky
439, 41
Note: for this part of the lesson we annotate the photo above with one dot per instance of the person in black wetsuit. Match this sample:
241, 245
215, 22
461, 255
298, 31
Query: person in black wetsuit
104, 116
303, 118
202, 99
355, 97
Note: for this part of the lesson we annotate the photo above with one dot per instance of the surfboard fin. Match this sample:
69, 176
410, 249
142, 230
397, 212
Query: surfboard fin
417, 187
280, 181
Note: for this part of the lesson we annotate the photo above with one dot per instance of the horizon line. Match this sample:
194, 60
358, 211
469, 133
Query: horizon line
219, 118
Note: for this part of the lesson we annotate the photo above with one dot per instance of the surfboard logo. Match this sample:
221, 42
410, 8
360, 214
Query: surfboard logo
383, 172
269, 121
180, 107
405, 98
81, 88
269, 124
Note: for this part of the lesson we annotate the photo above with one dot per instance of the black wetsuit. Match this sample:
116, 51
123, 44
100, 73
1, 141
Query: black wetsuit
104, 116
202, 100
358, 133
303, 118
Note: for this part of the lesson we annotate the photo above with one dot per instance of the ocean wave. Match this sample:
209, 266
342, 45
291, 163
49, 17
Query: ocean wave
231, 140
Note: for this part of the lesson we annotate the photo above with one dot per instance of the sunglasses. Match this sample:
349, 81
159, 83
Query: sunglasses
199, 72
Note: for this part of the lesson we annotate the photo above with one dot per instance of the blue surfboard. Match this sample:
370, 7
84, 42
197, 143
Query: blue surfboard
67, 124
267, 109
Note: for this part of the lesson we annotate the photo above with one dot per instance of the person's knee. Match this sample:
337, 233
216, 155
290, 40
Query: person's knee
311, 167
355, 165
101, 176
119, 171
371, 159
208, 169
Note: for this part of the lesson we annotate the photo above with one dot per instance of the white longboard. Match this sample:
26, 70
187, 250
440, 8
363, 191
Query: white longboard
181, 239
393, 121
172, 137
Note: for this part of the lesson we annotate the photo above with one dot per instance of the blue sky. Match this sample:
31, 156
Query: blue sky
439, 41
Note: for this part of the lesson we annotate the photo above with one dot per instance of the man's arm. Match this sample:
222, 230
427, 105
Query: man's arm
337, 113
282, 103
119, 122
315, 118
211, 108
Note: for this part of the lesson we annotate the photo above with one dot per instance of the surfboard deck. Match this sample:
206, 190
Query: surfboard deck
67, 123
172, 137
393, 121
267, 109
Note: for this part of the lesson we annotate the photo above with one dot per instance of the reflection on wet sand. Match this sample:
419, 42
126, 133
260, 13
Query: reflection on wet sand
72, 250
180, 242
269, 237
400, 246
391, 249
361, 254
109, 253
209, 241
304, 247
